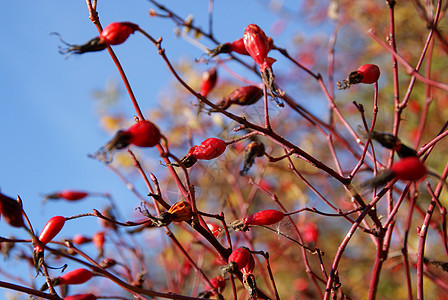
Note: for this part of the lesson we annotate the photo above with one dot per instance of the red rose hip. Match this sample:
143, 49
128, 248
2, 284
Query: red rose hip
264, 217
209, 149
409, 168
118, 32
368, 74
142, 134
238, 259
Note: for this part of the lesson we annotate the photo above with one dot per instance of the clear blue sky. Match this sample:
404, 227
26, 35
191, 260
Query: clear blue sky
48, 123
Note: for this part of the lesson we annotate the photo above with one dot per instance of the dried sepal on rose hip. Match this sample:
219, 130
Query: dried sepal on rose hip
113, 34
178, 212
253, 149
244, 96
209, 149
368, 74
392, 142
181, 211
408, 169
11, 210
51, 229
142, 134
70, 195
78, 276
258, 46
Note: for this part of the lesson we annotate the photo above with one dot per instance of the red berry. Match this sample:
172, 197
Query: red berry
240, 257
218, 283
370, 73
11, 211
208, 81
236, 46
409, 168
209, 149
79, 239
72, 195
367, 73
264, 217
215, 229
81, 297
310, 233
77, 276
239, 47
144, 134
51, 229
98, 240
246, 95
258, 46
118, 32
249, 268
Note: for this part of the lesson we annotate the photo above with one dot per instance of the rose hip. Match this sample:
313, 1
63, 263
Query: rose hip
142, 134
238, 259
207, 150
408, 168
79, 239
258, 46
118, 32
264, 217
78, 276
70, 195
249, 268
244, 96
235, 46
113, 34
208, 81
368, 74
51, 229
